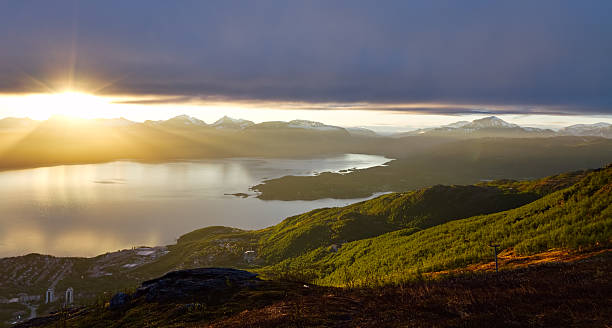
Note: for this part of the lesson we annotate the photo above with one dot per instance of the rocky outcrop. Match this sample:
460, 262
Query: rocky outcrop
119, 301
213, 285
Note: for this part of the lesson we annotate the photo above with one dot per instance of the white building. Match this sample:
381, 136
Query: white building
69, 296
249, 256
49, 296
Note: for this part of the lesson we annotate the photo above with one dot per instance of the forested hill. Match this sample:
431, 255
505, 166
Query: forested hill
299, 234
578, 217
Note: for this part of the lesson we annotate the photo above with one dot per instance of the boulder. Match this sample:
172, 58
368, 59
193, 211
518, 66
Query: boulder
211, 285
119, 300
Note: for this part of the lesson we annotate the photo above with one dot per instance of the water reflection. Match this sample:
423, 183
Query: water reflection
85, 210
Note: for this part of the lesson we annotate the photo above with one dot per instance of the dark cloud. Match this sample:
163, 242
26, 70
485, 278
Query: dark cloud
452, 110
158, 101
528, 54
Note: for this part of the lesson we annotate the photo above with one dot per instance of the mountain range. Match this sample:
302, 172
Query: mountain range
229, 123
485, 127
495, 127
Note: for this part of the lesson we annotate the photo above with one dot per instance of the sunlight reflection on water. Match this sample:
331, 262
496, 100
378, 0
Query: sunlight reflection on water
84, 210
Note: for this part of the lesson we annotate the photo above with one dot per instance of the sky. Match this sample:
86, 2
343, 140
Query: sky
395, 64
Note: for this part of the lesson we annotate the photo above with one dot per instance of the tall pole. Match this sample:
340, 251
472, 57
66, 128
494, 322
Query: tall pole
496, 267
495, 250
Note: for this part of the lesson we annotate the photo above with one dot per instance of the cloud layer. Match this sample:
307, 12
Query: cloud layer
530, 56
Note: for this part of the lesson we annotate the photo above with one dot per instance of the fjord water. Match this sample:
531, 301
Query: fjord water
85, 210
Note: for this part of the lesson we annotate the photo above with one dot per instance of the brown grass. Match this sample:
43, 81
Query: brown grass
553, 289
509, 260
540, 292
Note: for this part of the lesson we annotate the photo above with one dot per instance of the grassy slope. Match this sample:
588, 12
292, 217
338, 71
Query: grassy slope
575, 217
534, 297
417, 209
206, 247
215, 246
322, 227
537, 296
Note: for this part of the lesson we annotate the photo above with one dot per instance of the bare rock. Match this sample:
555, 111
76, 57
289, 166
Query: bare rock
119, 301
213, 285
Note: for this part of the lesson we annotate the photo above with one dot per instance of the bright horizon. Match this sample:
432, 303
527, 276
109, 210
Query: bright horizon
382, 119
363, 67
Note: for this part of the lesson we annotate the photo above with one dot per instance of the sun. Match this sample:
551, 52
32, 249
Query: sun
70, 104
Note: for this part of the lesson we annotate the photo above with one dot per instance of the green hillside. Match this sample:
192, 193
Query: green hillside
416, 209
294, 236
576, 217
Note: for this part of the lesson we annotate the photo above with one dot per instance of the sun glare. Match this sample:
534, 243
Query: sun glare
70, 104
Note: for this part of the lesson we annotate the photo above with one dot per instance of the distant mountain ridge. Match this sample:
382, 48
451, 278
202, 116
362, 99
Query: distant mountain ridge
491, 126
115, 121
227, 122
600, 129
178, 121
495, 127
485, 127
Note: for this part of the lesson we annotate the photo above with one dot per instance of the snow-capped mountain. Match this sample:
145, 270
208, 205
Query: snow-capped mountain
303, 124
456, 124
179, 122
298, 126
485, 127
600, 129
486, 123
495, 127
227, 122
187, 120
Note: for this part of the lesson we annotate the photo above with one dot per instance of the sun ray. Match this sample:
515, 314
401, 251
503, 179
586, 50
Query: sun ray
108, 84
12, 140
72, 58
38, 82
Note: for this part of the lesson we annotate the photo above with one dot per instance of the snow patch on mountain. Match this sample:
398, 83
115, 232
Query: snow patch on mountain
178, 120
456, 125
489, 122
188, 120
488, 126
304, 124
227, 122
601, 129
